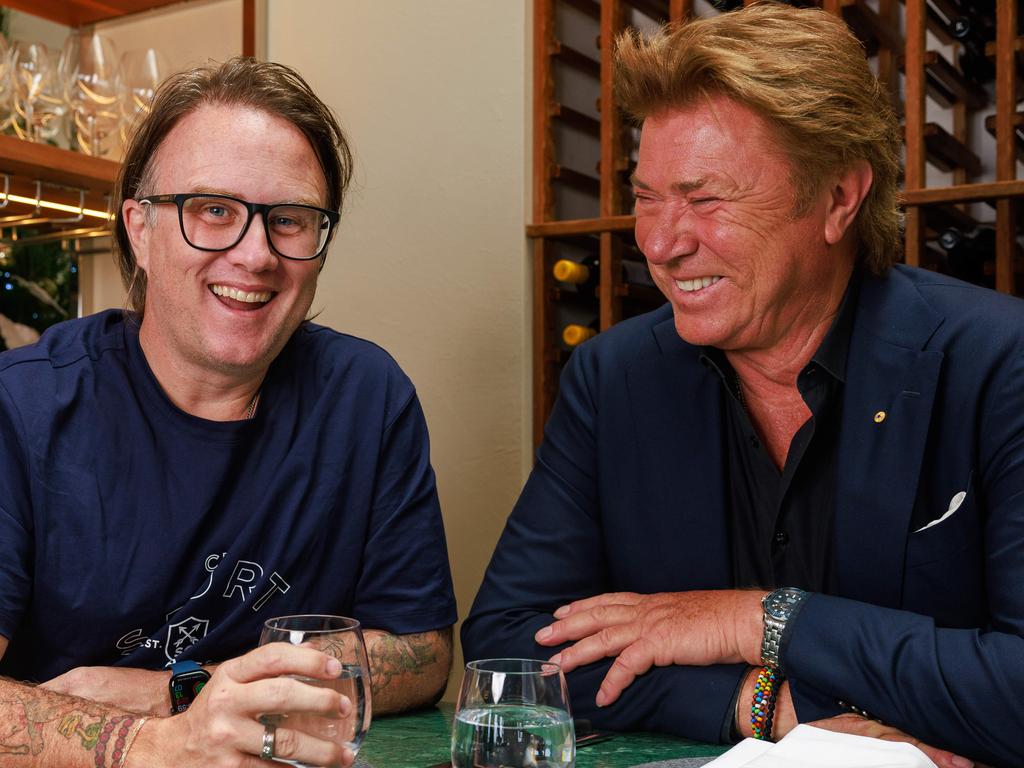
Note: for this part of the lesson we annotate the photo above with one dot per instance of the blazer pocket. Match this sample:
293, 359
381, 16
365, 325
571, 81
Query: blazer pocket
954, 534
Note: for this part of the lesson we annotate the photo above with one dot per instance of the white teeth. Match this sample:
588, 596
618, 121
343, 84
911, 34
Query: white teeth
251, 297
697, 283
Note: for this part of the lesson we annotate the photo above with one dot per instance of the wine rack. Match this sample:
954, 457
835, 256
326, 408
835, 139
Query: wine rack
962, 58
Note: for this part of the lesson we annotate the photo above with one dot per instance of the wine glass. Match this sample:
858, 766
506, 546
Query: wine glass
32, 71
6, 85
341, 638
93, 90
513, 713
141, 73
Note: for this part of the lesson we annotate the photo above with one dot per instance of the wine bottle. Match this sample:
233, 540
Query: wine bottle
575, 334
966, 254
973, 31
584, 274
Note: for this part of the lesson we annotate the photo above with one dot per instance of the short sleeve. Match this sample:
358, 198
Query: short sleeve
405, 585
15, 518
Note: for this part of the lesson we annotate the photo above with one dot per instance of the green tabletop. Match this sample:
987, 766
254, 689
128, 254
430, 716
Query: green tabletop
422, 739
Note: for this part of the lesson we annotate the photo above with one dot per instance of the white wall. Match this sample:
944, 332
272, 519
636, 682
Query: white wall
431, 260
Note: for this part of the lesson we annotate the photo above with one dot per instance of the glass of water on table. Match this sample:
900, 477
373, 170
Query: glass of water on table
513, 713
341, 638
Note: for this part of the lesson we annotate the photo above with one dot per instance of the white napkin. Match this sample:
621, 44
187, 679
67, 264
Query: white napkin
809, 747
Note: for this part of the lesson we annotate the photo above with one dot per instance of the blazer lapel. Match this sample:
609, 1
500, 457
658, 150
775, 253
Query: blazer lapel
891, 383
676, 403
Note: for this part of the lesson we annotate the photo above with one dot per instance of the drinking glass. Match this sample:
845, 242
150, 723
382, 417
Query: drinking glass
32, 72
341, 638
513, 713
141, 73
6, 85
93, 90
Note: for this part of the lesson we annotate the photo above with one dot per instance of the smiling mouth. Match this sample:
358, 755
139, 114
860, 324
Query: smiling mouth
236, 299
250, 297
697, 283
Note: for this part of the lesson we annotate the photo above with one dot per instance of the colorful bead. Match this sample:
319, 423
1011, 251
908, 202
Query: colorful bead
762, 708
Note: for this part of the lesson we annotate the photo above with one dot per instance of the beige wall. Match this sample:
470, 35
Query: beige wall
431, 261
186, 36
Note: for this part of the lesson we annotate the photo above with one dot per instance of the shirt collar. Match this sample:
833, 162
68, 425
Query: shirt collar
830, 356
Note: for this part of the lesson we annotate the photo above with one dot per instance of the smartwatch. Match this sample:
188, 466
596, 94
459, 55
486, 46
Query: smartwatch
779, 607
187, 680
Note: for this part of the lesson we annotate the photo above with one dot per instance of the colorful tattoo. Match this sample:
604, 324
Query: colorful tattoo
394, 658
26, 711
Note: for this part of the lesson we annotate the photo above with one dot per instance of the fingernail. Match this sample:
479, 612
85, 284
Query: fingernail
556, 659
601, 699
543, 634
961, 762
562, 612
333, 667
345, 705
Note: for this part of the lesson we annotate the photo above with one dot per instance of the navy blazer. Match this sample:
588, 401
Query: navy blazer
926, 630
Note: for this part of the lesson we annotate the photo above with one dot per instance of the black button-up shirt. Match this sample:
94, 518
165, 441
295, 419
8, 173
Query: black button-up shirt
781, 522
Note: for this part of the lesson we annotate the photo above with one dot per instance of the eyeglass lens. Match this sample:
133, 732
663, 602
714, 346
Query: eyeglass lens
216, 224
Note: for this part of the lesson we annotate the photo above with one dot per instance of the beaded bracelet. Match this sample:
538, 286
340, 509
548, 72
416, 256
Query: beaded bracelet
762, 709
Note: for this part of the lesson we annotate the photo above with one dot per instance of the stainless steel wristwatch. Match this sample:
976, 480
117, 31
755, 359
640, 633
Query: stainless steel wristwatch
779, 606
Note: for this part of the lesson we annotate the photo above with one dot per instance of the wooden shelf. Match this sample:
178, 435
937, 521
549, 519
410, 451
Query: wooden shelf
657, 10
575, 59
576, 179
77, 13
591, 8
583, 226
948, 86
869, 27
1018, 131
964, 193
53, 165
576, 119
947, 153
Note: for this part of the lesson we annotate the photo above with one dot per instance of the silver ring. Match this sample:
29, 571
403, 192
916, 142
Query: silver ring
267, 752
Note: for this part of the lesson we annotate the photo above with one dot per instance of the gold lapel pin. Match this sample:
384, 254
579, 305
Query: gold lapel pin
879, 417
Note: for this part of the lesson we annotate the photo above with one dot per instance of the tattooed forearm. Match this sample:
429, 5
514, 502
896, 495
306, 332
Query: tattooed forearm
408, 670
38, 727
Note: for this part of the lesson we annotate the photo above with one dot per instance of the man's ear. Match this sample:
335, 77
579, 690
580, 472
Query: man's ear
133, 215
845, 197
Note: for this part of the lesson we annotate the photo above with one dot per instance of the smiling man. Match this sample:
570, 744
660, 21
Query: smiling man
176, 474
796, 492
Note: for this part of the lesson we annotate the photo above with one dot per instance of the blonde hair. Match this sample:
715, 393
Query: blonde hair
804, 72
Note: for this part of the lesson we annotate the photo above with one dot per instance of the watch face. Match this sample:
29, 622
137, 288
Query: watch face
780, 603
185, 687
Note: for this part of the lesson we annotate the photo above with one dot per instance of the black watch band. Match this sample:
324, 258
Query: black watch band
187, 680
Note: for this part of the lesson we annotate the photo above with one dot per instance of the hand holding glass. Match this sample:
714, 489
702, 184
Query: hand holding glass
341, 638
513, 713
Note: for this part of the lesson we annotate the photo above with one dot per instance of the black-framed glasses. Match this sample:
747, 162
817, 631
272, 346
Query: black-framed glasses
212, 222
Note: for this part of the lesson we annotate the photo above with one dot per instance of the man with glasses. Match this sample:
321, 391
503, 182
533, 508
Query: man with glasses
176, 474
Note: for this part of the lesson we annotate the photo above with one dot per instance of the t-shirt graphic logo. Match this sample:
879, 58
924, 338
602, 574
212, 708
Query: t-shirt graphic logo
184, 634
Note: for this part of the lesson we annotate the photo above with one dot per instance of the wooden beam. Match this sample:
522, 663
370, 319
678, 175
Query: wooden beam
573, 227
967, 193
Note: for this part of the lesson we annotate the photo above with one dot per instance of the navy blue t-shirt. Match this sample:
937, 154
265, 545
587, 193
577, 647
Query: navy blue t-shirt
134, 534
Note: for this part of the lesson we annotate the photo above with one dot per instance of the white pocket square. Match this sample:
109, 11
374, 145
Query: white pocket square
954, 505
